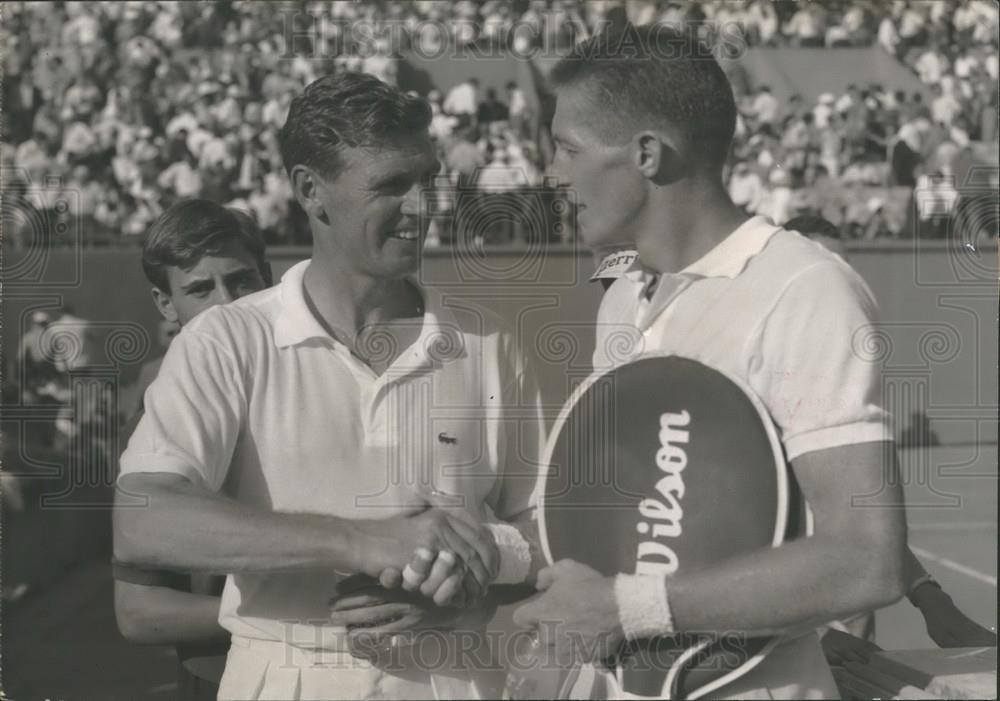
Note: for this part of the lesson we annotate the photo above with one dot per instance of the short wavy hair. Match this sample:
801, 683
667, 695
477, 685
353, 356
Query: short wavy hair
348, 110
191, 229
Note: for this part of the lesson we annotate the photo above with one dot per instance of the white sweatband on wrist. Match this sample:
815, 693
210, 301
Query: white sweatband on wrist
643, 608
515, 553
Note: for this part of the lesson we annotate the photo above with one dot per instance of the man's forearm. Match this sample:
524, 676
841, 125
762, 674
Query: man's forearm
799, 585
855, 562
161, 616
183, 527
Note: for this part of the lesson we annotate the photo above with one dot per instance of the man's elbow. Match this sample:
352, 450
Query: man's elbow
133, 628
134, 620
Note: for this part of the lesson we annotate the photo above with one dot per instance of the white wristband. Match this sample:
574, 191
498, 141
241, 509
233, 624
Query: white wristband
515, 553
642, 605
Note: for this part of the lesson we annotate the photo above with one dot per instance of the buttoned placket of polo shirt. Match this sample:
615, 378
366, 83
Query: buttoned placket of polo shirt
409, 362
399, 401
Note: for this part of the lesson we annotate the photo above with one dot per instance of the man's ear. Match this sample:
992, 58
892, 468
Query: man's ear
165, 305
306, 186
657, 157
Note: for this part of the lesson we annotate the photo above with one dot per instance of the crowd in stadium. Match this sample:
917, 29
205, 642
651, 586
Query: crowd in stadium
132, 106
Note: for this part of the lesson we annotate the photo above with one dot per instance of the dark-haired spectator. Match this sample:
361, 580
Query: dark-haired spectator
491, 109
905, 154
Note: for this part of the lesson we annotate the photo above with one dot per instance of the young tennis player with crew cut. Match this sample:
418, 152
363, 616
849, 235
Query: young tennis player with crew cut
642, 127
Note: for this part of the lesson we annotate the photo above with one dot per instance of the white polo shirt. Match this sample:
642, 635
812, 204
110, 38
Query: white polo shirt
255, 400
794, 322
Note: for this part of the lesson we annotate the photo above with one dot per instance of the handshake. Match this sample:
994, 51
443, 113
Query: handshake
417, 572
446, 558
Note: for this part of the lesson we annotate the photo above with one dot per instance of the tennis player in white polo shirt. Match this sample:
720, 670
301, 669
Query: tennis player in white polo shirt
300, 434
642, 127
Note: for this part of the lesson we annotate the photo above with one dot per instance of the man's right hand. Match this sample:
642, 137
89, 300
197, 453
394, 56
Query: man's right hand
422, 541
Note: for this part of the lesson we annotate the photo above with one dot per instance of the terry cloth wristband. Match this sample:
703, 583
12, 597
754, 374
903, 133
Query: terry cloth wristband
643, 607
515, 553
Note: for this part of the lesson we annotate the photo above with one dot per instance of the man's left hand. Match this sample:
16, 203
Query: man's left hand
576, 614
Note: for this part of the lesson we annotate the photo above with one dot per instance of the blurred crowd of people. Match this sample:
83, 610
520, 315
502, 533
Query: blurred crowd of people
860, 158
131, 106
878, 162
127, 107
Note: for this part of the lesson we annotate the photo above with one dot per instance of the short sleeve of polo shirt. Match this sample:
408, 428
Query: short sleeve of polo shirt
810, 368
193, 413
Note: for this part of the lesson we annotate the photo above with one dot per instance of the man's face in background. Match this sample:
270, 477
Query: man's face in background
215, 279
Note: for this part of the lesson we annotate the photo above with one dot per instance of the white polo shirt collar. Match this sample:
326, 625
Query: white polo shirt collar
295, 323
727, 259
733, 253
440, 337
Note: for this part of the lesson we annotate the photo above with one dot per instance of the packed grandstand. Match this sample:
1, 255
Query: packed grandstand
131, 106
